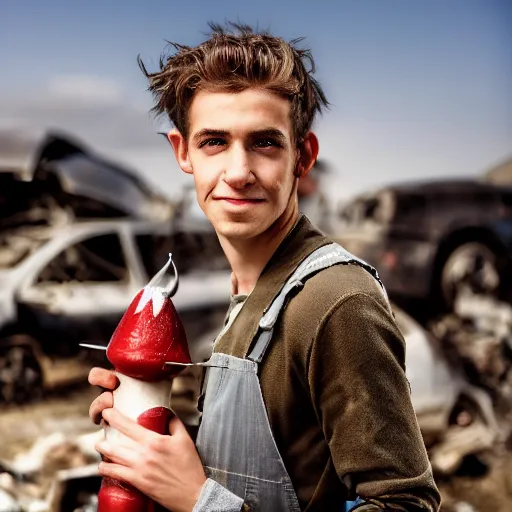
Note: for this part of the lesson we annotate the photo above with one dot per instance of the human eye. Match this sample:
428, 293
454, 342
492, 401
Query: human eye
213, 142
266, 142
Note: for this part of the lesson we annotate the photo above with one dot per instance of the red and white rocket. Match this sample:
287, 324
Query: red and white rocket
147, 349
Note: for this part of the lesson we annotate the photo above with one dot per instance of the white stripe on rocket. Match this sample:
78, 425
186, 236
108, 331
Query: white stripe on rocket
133, 397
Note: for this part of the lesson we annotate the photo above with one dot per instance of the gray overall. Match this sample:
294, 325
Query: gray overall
235, 441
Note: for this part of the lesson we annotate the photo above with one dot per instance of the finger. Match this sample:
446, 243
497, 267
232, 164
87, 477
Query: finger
126, 425
104, 378
118, 453
177, 427
102, 402
118, 472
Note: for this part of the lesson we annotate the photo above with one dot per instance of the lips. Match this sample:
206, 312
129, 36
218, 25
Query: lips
239, 200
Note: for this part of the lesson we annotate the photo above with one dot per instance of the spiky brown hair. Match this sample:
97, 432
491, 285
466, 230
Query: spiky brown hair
232, 59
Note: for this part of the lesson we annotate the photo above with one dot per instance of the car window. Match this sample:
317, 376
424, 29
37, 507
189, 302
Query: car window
357, 211
378, 208
198, 252
154, 251
410, 209
96, 259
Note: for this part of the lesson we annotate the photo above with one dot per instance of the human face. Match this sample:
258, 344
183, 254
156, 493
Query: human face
241, 153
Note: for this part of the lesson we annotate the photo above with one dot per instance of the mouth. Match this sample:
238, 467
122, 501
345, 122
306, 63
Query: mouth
239, 201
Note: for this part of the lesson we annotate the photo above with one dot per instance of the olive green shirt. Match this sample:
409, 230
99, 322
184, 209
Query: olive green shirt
334, 385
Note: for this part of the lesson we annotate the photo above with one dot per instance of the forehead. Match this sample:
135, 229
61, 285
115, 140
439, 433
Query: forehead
249, 110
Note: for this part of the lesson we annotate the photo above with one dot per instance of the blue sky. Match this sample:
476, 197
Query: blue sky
419, 88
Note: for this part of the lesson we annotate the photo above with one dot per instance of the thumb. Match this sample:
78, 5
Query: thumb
177, 427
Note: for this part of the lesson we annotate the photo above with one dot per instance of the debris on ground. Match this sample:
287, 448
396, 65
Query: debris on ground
479, 336
35, 480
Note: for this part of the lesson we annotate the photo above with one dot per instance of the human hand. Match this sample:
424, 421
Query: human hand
106, 379
167, 468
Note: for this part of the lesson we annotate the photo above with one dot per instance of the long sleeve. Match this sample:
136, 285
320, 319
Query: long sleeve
362, 398
215, 497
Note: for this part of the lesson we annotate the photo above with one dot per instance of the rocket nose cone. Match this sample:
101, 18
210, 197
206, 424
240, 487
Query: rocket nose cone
146, 338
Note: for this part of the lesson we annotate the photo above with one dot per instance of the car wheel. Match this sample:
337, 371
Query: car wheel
470, 268
20, 376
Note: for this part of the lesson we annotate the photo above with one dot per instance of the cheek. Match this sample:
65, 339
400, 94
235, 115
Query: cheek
206, 176
278, 174
279, 186
282, 184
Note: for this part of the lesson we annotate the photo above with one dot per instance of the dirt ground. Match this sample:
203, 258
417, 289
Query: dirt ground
489, 492
470, 491
65, 412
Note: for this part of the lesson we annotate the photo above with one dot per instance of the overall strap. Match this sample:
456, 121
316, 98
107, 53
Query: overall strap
321, 258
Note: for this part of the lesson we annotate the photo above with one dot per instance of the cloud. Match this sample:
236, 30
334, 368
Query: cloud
96, 109
86, 90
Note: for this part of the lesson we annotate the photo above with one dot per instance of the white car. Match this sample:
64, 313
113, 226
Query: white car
64, 285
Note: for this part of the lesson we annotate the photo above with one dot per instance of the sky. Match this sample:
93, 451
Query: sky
418, 88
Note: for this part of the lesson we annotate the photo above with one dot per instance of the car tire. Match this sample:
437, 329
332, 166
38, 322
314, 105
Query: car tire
470, 267
21, 379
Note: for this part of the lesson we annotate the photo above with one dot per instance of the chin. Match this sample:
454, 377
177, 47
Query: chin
239, 230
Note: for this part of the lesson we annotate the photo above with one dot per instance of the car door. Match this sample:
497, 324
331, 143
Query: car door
81, 292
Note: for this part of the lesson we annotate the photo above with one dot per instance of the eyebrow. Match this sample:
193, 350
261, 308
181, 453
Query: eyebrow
208, 132
265, 132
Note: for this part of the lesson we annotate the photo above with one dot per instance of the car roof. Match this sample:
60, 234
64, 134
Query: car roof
447, 186
95, 226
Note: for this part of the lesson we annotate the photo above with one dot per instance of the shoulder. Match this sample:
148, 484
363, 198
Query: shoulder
331, 288
343, 304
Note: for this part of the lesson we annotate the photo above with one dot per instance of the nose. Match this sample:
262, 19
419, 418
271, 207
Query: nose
238, 173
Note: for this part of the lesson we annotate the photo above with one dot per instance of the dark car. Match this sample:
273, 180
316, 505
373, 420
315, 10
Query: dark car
432, 240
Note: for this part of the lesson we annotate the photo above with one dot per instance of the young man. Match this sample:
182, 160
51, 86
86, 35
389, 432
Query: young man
306, 404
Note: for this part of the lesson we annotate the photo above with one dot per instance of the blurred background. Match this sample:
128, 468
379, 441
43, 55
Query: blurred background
414, 175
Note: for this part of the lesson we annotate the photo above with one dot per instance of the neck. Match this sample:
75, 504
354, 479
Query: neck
248, 257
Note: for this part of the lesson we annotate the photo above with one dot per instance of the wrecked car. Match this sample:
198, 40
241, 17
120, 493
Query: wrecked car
429, 239
71, 284
456, 417
71, 264
47, 177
